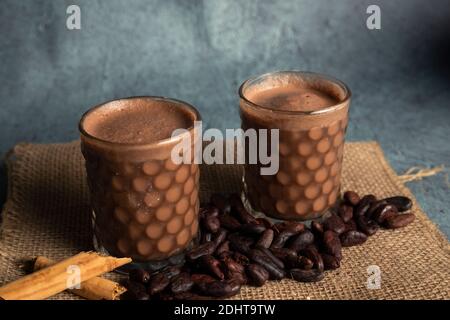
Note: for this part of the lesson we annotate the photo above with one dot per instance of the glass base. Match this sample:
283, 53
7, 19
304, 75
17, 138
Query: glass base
259, 214
175, 260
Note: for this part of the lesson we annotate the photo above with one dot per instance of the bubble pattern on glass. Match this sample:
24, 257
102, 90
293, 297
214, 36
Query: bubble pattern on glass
308, 180
147, 211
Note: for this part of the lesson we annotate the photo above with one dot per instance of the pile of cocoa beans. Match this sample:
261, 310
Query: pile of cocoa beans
235, 248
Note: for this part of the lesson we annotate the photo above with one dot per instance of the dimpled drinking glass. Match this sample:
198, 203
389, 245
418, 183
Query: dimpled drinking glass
144, 205
311, 145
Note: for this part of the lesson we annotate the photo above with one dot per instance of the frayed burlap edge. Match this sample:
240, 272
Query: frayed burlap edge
9, 219
432, 227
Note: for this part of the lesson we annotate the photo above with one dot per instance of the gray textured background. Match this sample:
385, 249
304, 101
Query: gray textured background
200, 51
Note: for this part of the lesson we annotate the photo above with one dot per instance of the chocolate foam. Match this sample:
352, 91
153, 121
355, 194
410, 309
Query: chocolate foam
137, 121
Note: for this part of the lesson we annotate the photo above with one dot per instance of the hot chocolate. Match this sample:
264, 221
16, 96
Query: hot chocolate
292, 97
136, 121
311, 112
145, 206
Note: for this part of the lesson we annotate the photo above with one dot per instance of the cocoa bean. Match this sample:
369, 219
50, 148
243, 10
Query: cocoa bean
158, 282
278, 262
257, 274
400, 202
374, 207
266, 238
313, 254
383, 212
364, 205
171, 271
334, 223
211, 223
212, 266
181, 283
239, 277
220, 289
229, 222
399, 220
240, 242
284, 254
219, 237
201, 250
224, 247
266, 223
293, 226
225, 254
251, 229
345, 212
332, 244
353, 238
202, 278
351, 225
259, 257
304, 263
330, 262
351, 197
232, 266
299, 262
241, 259
301, 275
369, 227
317, 229
280, 239
301, 241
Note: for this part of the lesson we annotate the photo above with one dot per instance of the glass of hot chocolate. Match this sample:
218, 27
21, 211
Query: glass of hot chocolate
311, 112
145, 205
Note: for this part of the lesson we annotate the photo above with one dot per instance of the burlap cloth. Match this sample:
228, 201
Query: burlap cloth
47, 213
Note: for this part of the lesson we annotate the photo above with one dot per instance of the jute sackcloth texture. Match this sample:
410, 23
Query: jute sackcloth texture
47, 213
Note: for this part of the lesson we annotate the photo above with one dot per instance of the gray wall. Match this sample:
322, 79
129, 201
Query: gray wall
200, 51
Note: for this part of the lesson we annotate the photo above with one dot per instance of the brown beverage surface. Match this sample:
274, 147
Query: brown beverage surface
292, 97
140, 121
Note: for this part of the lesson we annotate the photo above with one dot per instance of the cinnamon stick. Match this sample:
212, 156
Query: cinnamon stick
60, 276
93, 289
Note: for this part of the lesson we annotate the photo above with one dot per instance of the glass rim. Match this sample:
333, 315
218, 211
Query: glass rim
168, 140
337, 106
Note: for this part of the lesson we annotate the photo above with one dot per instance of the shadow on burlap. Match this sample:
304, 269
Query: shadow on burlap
47, 213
